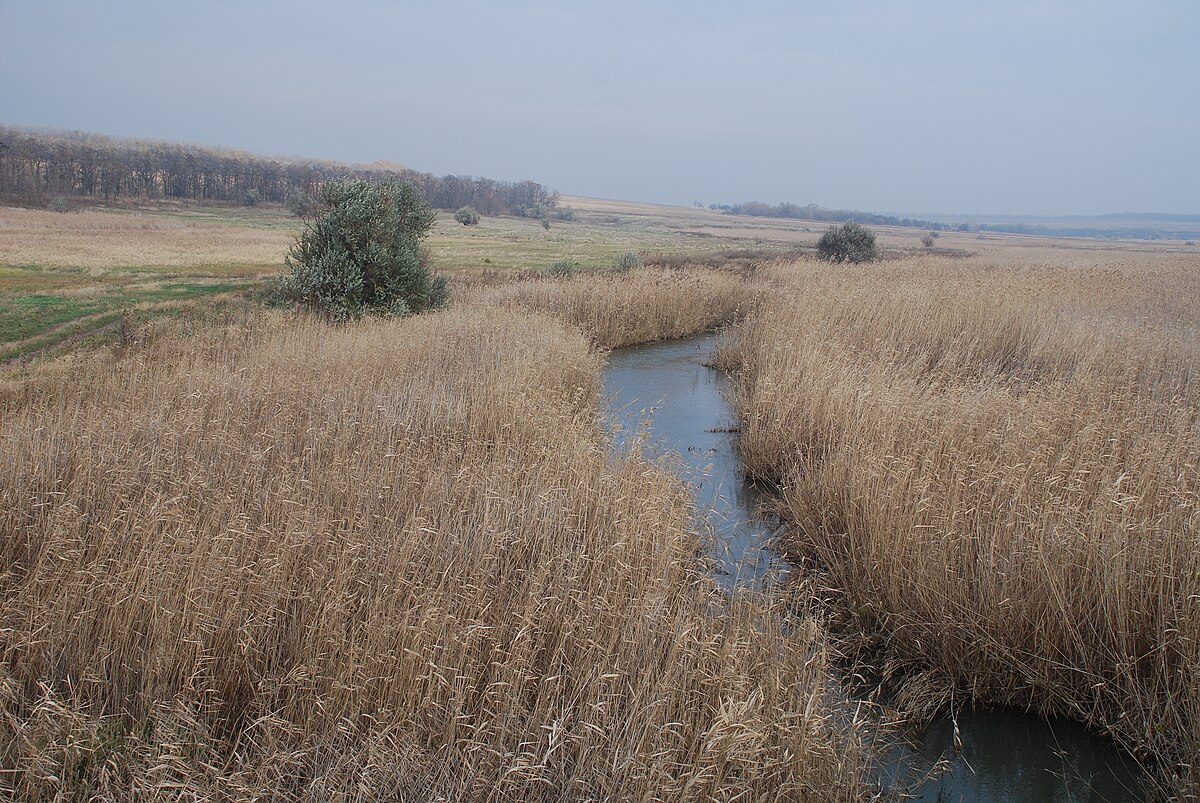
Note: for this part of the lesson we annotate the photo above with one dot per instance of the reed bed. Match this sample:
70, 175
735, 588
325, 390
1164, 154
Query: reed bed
275, 559
994, 469
623, 309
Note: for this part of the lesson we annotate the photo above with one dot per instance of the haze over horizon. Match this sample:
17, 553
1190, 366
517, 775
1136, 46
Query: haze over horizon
1033, 108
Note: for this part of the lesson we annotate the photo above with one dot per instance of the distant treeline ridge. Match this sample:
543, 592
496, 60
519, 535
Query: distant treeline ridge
1118, 230
814, 212
38, 165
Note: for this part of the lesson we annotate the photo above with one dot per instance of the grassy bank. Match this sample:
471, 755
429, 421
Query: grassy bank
993, 465
621, 309
277, 559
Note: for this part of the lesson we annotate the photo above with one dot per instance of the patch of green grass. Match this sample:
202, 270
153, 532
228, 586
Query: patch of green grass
32, 315
26, 315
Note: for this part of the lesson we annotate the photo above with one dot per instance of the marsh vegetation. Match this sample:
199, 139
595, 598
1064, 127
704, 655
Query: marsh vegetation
991, 467
251, 553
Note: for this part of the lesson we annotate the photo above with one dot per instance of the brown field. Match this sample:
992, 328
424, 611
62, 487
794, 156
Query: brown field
993, 465
248, 554
277, 558
97, 240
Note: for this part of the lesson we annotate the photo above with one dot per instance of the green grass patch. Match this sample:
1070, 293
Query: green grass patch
31, 315
24, 316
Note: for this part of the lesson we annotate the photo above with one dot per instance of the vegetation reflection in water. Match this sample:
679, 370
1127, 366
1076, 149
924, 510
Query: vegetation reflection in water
666, 395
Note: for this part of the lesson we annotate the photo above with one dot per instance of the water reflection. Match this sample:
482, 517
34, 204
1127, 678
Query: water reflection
665, 394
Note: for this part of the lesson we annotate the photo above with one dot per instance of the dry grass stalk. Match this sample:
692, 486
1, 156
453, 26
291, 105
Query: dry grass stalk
997, 467
277, 559
617, 310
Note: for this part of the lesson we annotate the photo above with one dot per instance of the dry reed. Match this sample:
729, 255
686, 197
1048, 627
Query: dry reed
996, 468
621, 309
277, 559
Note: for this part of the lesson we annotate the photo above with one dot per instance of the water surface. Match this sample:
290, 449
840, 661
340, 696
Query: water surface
664, 395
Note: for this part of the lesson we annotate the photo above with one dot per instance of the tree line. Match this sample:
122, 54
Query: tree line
815, 212
39, 165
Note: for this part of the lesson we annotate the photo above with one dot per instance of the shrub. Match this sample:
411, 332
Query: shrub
849, 242
300, 203
363, 253
562, 268
467, 216
927, 241
59, 204
627, 262
250, 197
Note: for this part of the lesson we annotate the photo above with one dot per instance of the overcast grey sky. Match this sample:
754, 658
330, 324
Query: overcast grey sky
1048, 107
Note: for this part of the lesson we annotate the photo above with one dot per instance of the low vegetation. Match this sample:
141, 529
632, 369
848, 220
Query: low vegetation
467, 216
627, 262
427, 580
992, 467
562, 268
850, 242
621, 309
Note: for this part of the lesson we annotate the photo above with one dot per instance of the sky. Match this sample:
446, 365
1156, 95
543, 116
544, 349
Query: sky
1037, 108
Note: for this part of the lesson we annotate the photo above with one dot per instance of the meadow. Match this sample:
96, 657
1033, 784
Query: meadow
78, 280
249, 554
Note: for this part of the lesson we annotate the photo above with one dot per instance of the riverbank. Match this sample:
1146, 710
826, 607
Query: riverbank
295, 547
270, 558
991, 470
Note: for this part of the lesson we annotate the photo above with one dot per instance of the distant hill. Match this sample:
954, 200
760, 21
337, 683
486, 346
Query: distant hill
1114, 225
1120, 225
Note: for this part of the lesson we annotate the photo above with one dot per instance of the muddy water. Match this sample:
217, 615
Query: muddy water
662, 397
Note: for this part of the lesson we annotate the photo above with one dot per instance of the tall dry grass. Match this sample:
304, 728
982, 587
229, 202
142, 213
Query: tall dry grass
279, 560
996, 468
622, 309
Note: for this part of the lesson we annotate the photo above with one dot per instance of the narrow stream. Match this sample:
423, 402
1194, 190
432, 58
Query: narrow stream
663, 394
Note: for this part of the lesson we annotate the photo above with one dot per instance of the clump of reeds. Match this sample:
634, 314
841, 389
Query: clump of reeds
996, 468
279, 559
622, 309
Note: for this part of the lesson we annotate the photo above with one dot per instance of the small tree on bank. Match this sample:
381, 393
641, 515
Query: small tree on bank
362, 253
849, 242
467, 216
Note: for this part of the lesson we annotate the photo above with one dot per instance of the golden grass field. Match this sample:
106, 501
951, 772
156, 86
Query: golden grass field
248, 554
276, 558
993, 465
67, 279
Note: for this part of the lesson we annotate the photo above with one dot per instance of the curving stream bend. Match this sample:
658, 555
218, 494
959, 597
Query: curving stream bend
665, 395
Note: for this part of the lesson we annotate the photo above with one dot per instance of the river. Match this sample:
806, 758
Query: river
664, 397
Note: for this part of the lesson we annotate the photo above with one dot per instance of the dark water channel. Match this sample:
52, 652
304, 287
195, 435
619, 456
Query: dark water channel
664, 395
